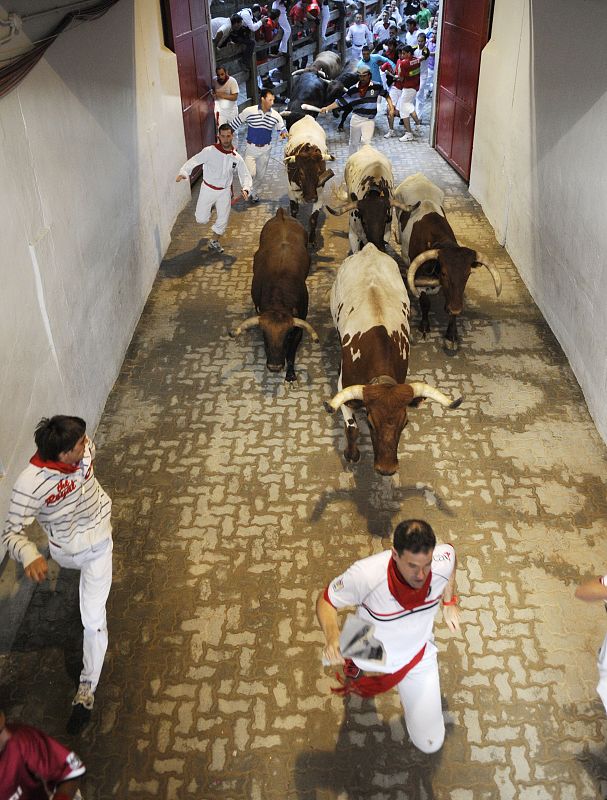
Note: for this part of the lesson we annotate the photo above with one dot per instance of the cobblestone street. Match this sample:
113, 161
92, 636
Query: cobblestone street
233, 507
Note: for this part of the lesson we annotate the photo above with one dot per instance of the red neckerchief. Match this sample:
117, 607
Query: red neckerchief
400, 590
362, 91
225, 152
59, 466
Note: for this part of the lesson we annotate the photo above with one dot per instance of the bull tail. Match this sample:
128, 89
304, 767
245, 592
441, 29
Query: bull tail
281, 214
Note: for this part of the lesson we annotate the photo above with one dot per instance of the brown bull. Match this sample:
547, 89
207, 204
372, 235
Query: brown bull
279, 292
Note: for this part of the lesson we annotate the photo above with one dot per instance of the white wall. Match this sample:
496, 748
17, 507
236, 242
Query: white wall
539, 169
90, 143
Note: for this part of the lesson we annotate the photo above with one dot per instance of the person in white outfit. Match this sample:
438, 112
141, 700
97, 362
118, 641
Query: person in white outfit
58, 488
225, 92
325, 13
283, 21
219, 164
423, 53
358, 36
399, 592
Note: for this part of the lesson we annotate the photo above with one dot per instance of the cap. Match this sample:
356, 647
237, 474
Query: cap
363, 70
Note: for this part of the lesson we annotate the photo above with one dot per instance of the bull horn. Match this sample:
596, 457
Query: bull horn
297, 72
248, 323
421, 389
402, 206
301, 323
354, 392
337, 212
481, 258
288, 159
428, 255
285, 114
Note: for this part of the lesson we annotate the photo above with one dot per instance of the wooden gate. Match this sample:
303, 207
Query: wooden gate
464, 33
186, 24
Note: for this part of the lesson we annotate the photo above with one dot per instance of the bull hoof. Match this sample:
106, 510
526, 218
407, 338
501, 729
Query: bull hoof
352, 456
290, 375
451, 345
340, 128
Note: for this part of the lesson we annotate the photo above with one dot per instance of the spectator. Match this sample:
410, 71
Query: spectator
325, 13
358, 35
411, 33
261, 121
407, 72
225, 91
283, 21
220, 162
431, 64
240, 35
251, 18
395, 14
33, 765
423, 16
381, 29
220, 29
411, 8
423, 54
362, 99
58, 488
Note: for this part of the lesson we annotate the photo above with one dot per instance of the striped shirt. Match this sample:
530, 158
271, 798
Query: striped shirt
72, 509
260, 124
363, 106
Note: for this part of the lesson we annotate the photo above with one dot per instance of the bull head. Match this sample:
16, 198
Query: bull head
386, 405
275, 327
455, 264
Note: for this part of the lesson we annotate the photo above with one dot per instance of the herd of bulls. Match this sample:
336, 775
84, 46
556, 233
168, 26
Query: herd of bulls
369, 300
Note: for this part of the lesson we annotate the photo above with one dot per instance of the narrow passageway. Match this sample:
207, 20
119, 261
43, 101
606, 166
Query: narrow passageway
233, 507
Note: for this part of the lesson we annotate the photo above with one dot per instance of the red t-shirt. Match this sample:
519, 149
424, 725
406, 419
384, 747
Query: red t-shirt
407, 73
297, 13
31, 757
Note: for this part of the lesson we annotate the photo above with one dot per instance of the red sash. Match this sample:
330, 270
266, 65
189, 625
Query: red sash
371, 685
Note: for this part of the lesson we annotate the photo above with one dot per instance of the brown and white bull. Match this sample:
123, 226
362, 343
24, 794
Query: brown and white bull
279, 292
305, 157
430, 250
370, 309
369, 183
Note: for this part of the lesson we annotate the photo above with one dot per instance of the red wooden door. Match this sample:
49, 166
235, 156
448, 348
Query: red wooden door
187, 31
464, 33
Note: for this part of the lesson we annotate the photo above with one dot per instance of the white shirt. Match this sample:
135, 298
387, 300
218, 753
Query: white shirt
220, 25
359, 34
423, 67
402, 633
219, 167
411, 38
246, 15
230, 87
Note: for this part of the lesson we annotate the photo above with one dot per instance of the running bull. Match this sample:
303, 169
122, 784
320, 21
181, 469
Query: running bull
432, 254
370, 309
305, 157
280, 268
369, 183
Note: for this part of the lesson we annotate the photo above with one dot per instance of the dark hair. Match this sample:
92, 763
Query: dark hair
266, 92
274, 13
224, 127
414, 21
57, 435
408, 49
365, 47
413, 535
235, 19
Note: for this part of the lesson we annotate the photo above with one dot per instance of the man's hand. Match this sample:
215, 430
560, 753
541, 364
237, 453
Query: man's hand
37, 570
451, 617
284, 135
245, 193
332, 653
180, 178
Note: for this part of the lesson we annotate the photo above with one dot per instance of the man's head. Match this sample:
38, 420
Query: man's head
421, 39
393, 31
225, 134
358, 19
411, 24
364, 76
256, 10
385, 17
274, 14
407, 51
61, 438
424, 3
366, 54
267, 98
222, 74
401, 51
413, 545
236, 22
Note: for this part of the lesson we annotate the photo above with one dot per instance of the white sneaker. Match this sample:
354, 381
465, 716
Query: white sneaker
84, 696
408, 137
389, 135
215, 246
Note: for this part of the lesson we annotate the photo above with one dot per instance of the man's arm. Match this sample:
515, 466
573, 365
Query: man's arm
67, 790
450, 612
592, 590
188, 167
244, 176
22, 511
327, 616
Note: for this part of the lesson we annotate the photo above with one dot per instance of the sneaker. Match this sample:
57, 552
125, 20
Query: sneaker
253, 198
408, 137
82, 705
389, 135
215, 246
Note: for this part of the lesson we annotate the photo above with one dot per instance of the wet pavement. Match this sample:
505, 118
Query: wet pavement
233, 507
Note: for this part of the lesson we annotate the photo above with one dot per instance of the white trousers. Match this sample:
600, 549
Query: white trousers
221, 199
361, 131
325, 13
223, 115
286, 33
421, 93
357, 52
420, 695
95, 565
256, 159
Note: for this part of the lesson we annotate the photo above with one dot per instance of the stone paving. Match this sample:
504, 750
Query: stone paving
233, 506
